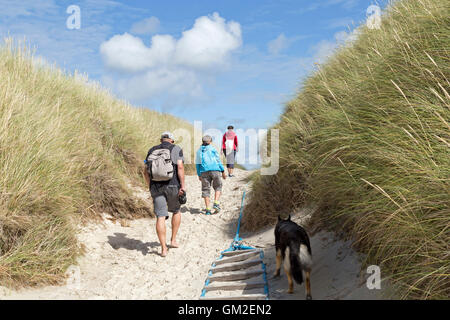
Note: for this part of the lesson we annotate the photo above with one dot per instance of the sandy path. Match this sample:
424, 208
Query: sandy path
336, 272
123, 262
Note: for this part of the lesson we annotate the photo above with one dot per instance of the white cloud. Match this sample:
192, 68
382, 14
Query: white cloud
43, 24
158, 83
206, 45
209, 42
26, 8
344, 37
146, 26
281, 43
278, 44
127, 53
324, 49
170, 66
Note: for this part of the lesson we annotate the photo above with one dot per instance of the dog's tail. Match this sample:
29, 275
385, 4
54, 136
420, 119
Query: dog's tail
296, 264
300, 259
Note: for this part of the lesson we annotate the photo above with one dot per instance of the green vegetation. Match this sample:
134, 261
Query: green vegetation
368, 139
68, 149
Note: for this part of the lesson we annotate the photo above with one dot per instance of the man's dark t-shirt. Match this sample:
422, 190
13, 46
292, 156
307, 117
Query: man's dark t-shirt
176, 154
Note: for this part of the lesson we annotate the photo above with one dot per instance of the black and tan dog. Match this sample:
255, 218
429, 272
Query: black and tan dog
292, 241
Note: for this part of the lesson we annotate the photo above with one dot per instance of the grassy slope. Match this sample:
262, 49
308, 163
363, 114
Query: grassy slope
368, 138
67, 150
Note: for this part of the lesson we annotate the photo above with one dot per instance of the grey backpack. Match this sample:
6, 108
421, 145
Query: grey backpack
159, 165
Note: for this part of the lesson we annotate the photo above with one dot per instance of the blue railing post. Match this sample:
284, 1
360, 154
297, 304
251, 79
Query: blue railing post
239, 220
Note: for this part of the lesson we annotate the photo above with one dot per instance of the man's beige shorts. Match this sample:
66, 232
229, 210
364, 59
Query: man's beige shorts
211, 178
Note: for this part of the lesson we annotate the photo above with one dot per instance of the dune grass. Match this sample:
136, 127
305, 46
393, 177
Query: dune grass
368, 139
68, 149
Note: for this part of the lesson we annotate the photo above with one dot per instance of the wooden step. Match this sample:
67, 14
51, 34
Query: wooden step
235, 252
235, 286
236, 265
236, 275
257, 296
238, 257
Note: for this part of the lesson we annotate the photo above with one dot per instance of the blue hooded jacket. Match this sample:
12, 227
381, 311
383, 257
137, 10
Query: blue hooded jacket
208, 159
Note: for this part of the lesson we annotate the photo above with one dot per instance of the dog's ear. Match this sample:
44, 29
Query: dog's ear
279, 218
289, 218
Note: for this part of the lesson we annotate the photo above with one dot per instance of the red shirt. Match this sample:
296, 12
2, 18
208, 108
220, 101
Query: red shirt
230, 135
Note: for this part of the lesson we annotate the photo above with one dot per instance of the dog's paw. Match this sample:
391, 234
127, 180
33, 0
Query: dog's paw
290, 291
308, 297
276, 275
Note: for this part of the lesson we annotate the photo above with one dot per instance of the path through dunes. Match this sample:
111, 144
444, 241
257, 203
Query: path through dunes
123, 262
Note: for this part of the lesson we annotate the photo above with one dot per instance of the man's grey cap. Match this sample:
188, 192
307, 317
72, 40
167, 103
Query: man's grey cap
167, 135
206, 138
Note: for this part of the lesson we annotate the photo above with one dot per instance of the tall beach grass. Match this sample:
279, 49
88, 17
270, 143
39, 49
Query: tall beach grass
367, 138
68, 149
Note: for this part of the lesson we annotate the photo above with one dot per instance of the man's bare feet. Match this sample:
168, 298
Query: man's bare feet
164, 252
174, 244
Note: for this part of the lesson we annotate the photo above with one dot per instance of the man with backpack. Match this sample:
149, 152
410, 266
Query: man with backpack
209, 168
165, 176
230, 147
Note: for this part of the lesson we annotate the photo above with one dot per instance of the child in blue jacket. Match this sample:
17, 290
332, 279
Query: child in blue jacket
209, 168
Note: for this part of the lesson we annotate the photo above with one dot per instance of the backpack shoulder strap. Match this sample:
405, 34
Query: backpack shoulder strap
170, 149
153, 149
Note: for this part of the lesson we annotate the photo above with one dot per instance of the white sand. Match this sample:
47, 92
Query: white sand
124, 262
336, 272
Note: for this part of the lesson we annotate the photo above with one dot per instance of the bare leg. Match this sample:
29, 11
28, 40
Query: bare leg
279, 260
176, 220
308, 285
207, 202
217, 196
290, 281
161, 232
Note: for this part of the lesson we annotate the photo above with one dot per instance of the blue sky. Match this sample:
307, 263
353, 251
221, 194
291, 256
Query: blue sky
265, 50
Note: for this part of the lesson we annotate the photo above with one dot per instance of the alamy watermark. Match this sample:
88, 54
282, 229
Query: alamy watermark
373, 13
252, 148
374, 280
74, 20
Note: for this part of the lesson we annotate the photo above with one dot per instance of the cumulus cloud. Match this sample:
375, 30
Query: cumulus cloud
209, 42
127, 53
169, 65
146, 26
